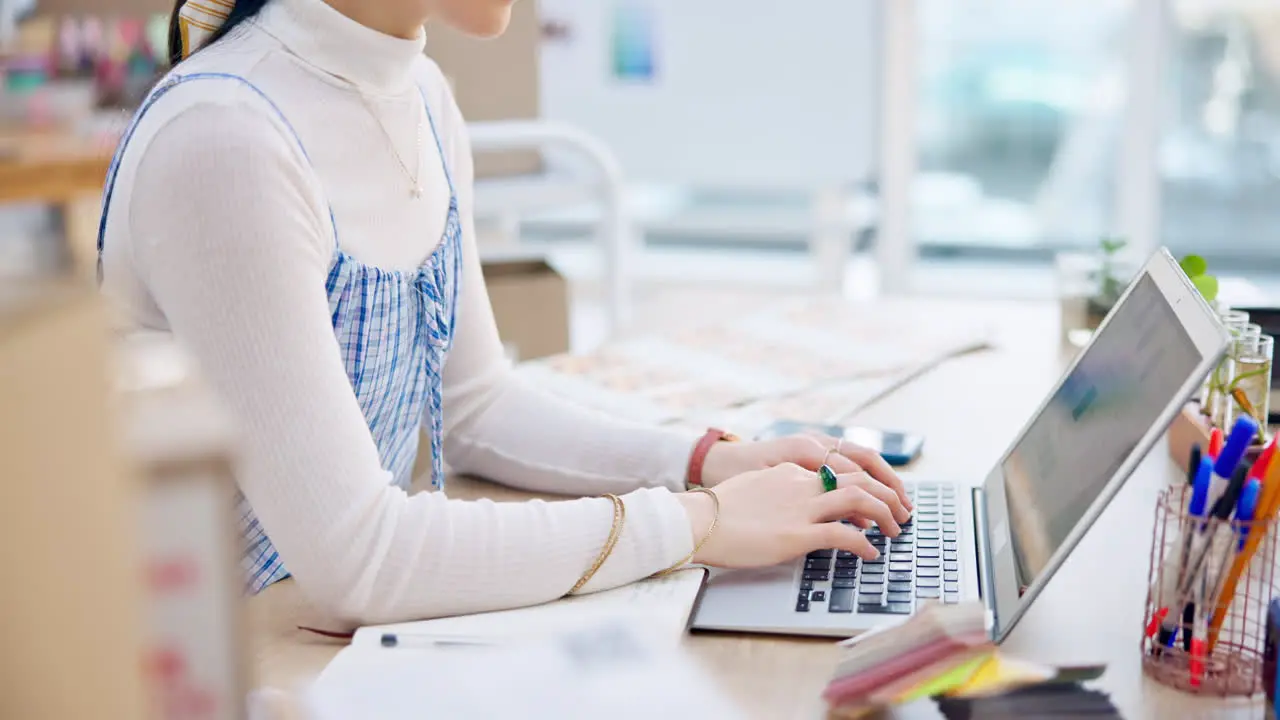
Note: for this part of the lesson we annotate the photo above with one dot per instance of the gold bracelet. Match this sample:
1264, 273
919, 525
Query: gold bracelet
715, 520
619, 519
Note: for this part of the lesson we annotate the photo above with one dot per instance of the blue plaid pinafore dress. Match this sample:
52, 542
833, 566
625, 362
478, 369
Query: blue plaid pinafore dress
394, 330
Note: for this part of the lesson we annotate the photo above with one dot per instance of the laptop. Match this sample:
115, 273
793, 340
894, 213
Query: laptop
1001, 541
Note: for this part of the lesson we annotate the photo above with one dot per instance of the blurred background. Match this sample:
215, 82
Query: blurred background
934, 146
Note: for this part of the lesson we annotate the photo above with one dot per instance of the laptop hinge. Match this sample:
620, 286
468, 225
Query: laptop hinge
986, 585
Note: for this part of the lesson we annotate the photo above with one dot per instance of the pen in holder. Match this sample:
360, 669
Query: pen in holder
1210, 583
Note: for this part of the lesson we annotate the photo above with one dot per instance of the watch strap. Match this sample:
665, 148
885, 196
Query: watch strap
693, 477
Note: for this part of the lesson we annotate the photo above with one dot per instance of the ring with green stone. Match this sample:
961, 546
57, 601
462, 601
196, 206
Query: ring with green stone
828, 478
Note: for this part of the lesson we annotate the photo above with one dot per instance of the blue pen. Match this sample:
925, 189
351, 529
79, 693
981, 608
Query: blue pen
1201, 487
1200, 484
1202, 478
1197, 572
1233, 451
1231, 503
1245, 510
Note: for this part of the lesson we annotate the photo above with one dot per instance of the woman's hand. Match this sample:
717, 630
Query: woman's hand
780, 513
729, 459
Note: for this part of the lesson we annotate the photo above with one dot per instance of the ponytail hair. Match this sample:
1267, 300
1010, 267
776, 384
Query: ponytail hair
241, 11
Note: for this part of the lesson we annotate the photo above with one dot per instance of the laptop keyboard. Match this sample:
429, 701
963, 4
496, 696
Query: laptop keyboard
922, 563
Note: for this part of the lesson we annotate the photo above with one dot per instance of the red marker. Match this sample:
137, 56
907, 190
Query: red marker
1259, 469
1215, 443
1156, 618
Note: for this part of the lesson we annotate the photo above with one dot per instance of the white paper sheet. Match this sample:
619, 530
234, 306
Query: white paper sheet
608, 671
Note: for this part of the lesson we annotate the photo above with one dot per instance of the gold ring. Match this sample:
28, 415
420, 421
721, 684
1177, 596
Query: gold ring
836, 449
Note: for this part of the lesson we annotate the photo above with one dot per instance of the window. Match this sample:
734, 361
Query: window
1021, 106
1220, 155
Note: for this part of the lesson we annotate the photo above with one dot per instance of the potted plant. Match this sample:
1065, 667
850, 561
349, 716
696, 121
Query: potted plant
1111, 278
1107, 282
1215, 386
1240, 383
1197, 270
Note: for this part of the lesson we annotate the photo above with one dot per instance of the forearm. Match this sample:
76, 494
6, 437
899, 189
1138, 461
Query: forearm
426, 556
529, 439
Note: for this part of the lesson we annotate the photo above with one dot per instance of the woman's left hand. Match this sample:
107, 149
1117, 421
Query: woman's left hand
727, 459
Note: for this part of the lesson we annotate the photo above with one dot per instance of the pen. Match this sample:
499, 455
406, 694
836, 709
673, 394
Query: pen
1229, 502
1268, 504
1157, 619
1201, 481
1193, 464
1240, 498
1222, 509
1218, 479
1201, 478
1194, 578
393, 640
1215, 443
1199, 505
1237, 444
1245, 511
1259, 469
1196, 663
1245, 508
1189, 625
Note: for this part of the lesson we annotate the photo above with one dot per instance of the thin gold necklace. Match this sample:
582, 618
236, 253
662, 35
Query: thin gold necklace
416, 191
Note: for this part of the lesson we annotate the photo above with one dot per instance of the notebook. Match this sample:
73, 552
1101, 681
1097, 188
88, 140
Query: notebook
661, 606
629, 637
608, 671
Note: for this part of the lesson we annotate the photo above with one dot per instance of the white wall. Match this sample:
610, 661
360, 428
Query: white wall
748, 93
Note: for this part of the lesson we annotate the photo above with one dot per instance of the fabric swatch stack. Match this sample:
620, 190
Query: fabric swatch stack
945, 652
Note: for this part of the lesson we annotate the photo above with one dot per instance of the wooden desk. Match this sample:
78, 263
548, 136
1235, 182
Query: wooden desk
65, 172
969, 410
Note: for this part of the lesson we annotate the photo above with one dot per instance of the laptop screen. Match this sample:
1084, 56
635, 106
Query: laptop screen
1119, 388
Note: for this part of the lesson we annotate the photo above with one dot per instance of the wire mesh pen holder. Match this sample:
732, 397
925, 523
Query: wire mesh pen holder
1215, 648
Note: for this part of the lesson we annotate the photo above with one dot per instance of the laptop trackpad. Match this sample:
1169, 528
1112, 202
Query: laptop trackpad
719, 577
743, 599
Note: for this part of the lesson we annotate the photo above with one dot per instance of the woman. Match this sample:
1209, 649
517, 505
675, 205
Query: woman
293, 203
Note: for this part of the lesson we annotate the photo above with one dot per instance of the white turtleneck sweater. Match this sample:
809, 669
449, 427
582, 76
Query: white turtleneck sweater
219, 232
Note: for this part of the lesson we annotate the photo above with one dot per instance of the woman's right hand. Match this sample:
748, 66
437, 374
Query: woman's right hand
775, 515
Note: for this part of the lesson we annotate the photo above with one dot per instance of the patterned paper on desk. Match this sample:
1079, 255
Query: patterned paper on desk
815, 361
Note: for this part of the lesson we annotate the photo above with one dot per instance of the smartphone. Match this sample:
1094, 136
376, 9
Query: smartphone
897, 448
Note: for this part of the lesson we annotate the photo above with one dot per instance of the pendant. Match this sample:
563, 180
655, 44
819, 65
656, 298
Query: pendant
417, 192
